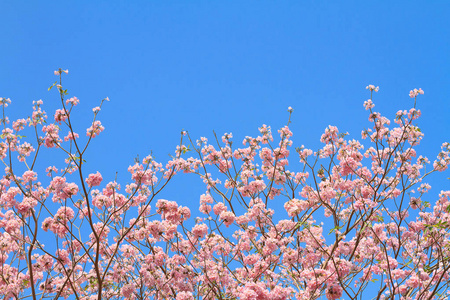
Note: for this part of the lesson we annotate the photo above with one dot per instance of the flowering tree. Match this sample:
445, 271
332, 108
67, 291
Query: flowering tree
385, 241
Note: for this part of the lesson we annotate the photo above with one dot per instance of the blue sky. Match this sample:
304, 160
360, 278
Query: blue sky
228, 66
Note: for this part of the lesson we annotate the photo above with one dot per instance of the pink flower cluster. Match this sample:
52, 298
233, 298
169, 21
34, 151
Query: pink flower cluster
94, 179
415, 92
95, 129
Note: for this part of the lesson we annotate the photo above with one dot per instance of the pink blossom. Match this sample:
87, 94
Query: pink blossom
368, 104
71, 136
73, 101
415, 92
200, 230
228, 217
24, 150
60, 115
371, 88
94, 179
51, 169
185, 296
4, 101
19, 124
127, 290
29, 176
334, 292
219, 208
95, 129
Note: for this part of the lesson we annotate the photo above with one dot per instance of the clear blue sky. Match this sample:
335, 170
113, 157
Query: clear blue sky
228, 66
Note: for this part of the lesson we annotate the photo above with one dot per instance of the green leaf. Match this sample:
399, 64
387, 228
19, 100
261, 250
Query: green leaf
335, 228
52, 86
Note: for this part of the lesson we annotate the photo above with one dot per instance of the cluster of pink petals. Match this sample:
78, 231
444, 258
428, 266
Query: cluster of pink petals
415, 92
94, 179
95, 129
